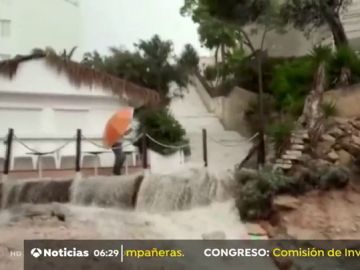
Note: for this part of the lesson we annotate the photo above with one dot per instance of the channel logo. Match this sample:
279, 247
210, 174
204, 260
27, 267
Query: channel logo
36, 252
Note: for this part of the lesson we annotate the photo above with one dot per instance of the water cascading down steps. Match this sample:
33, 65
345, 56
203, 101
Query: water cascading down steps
188, 204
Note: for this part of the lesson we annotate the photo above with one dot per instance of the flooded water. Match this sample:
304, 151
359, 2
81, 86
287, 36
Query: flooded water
187, 204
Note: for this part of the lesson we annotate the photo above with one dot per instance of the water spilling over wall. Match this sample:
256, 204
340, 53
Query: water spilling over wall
182, 190
34, 191
115, 191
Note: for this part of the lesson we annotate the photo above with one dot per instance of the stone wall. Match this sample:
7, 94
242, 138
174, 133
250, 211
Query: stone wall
229, 109
233, 110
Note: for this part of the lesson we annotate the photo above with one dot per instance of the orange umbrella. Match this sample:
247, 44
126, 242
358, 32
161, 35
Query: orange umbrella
117, 126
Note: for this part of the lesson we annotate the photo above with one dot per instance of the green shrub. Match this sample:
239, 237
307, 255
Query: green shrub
210, 73
334, 177
344, 57
329, 109
163, 127
257, 189
291, 83
252, 113
280, 134
255, 200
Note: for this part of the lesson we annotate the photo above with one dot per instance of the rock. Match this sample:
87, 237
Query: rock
345, 159
297, 141
283, 166
286, 202
324, 147
328, 138
353, 149
337, 147
336, 132
297, 147
216, 235
283, 161
301, 136
341, 121
322, 162
255, 229
355, 139
355, 124
305, 159
290, 157
333, 156
293, 153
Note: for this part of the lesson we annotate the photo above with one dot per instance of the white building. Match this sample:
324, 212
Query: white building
29, 24
46, 99
294, 42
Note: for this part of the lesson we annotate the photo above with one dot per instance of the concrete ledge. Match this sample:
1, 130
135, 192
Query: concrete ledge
35, 191
115, 191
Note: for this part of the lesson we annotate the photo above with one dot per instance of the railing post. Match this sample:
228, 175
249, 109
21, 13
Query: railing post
145, 151
7, 163
205, 149
78, 151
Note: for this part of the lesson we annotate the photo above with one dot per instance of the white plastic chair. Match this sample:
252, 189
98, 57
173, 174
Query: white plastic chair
20, 158
90, 156
46, 158
67, 156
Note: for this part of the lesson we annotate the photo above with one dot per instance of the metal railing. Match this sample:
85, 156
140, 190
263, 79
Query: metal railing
144, 137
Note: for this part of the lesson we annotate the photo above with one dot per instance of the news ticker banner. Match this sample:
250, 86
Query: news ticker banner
190, 255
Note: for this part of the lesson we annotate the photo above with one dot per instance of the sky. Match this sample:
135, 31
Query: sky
121, 23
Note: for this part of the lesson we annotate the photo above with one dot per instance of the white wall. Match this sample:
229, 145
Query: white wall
40, 23
40, 102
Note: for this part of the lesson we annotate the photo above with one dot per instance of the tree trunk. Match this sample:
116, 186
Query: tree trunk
337, 29
261, 148
223, 53
345, 77
312, 115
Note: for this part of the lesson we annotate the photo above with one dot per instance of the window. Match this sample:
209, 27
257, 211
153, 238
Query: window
5, 28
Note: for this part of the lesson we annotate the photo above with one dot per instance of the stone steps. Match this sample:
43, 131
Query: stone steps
295, 150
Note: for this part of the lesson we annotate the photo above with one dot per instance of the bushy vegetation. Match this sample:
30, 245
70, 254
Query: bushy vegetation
152, 64
329, 109
163, 127
252, 115
258, 188
291, 83
256, 192
280, 134
292, 80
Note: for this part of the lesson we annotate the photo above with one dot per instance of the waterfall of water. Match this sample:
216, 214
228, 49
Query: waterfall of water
182, 190
187, 204
116, 191
34, 191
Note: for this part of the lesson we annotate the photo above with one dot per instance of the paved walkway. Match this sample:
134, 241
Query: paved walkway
225, 148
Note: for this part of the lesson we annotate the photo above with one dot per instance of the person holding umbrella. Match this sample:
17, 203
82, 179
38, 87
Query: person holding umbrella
120, 156
117, 127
